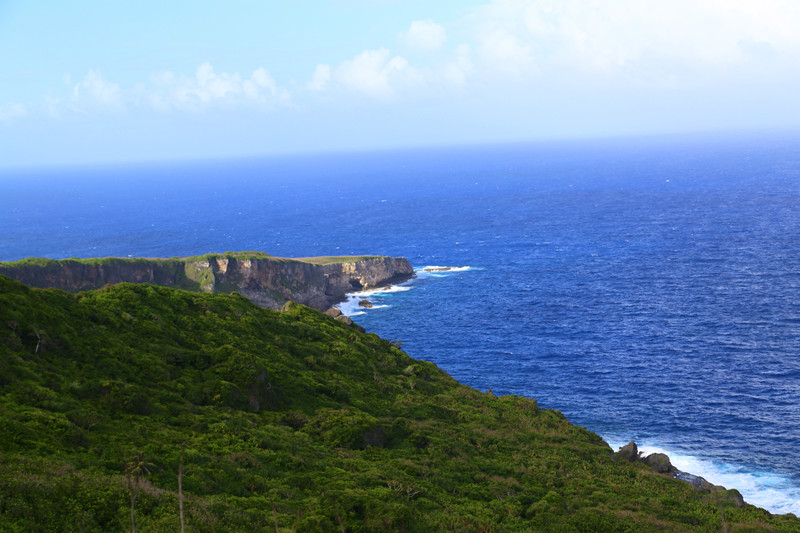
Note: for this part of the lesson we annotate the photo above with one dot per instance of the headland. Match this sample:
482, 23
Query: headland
267, 281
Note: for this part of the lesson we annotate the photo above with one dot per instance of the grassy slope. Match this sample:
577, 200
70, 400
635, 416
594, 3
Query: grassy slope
350, 433
329, 260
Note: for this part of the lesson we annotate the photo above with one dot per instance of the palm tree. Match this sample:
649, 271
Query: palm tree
135, 470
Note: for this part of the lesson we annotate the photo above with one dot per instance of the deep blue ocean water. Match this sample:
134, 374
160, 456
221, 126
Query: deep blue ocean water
647, 288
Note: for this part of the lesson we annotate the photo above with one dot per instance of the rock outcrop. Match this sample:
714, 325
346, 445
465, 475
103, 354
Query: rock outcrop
265, 280
661, 463
629, 452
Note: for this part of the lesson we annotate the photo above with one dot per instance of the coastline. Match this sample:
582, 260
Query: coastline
775, 492
768, 490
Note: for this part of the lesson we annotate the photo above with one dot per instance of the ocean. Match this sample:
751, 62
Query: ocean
647, 288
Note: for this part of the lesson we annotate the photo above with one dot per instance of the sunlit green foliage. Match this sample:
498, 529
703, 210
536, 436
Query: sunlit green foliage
291, 421
335, 259
241, 256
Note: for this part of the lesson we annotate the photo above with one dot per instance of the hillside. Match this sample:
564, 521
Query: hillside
267, 281
289, 421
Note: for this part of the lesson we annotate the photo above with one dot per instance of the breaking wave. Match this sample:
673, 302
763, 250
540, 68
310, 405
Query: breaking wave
777, 493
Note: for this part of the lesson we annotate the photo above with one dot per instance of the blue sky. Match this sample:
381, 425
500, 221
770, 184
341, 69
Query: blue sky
91, 81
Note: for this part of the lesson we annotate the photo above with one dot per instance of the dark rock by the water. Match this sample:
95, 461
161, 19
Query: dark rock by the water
699, 483
365, 303
629, 452
703, 485
659, 462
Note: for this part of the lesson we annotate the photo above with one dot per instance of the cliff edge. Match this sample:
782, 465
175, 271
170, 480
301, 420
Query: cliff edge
267, 281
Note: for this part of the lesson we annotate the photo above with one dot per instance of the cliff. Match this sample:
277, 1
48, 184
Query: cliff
267, 281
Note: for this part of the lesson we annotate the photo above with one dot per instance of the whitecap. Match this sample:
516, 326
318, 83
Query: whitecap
386, 290
435, 271
350, 307
437, 268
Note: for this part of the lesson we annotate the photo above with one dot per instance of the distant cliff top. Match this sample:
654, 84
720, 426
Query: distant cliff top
266, 280
325, 260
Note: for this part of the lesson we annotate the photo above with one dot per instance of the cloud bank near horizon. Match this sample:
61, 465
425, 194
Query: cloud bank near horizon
525, 57
517, 43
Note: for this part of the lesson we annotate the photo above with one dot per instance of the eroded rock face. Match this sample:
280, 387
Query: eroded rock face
342, 278
659, 462
267, 282
629, 452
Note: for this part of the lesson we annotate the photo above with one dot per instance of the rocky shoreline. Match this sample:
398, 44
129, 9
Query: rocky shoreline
661, 464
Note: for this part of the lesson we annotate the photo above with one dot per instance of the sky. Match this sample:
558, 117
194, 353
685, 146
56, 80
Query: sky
97, 81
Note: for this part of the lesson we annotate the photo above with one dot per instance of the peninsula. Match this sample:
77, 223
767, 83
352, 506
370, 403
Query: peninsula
267, 281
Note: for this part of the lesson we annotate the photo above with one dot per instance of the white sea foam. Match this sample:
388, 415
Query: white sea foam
386, 290
777, 493
376, 296
435, 271
351, 307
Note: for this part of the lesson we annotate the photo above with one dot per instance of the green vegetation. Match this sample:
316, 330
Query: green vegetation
290, 422
336, 259
45, 262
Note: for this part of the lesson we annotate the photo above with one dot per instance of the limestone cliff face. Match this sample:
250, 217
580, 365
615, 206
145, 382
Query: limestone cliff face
266, 281
342, 278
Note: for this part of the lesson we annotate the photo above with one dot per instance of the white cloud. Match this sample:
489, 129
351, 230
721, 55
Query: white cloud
207, 88
320, 79
12, 110
424, 35
652, 38
457, 72
261, 87
377, 74
164, 91
211, 86
94, 89
499, 51
503, 51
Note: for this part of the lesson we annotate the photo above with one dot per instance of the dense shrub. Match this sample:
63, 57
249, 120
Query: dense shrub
288, 421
